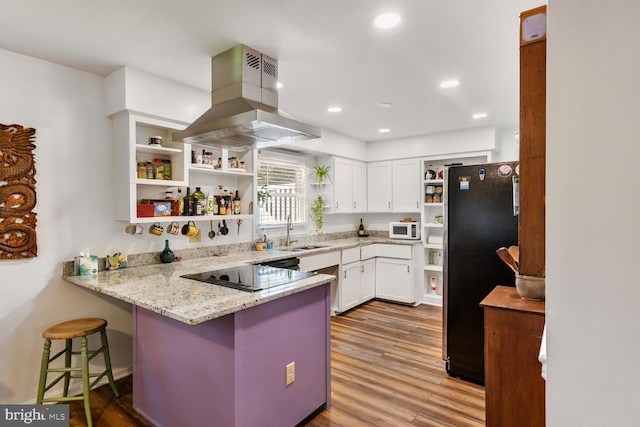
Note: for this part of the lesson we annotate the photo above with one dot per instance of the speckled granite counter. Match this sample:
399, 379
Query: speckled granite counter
159, 287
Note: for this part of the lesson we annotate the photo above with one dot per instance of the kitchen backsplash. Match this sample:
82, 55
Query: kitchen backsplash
149, 258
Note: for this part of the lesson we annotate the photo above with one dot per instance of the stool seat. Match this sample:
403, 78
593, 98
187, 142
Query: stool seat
67, 331
74, 328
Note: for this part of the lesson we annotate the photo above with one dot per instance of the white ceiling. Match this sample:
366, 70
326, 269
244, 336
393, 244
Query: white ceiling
328, 53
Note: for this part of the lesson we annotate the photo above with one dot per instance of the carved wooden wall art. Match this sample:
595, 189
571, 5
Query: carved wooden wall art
17, 193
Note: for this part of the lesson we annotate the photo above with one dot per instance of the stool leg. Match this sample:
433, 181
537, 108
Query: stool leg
44, 366
85, 380
107, 361
67, 364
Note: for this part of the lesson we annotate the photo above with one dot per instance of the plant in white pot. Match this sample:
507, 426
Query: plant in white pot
321, 173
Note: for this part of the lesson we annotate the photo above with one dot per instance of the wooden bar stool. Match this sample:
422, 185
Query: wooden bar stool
79, 328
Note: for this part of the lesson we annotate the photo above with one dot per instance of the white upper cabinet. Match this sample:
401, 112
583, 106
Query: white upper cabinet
359, 186
342, 199
349, 186
406, 185
379, 187
393, 186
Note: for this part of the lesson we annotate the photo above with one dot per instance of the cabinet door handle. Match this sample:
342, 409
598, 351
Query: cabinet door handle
362, 269
344, 274
354, 205
336, 205
417, 204
408, 269
389, 205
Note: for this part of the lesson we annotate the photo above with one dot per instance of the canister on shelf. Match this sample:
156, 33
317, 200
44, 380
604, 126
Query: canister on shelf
149, 167
167, 169
437, 198
155, 140
430, 189
158, 168
428, 198
142, 170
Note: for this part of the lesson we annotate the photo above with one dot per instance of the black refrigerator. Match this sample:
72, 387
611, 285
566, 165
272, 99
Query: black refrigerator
480, 217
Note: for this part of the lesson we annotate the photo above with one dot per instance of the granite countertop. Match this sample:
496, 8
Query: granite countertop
159, 287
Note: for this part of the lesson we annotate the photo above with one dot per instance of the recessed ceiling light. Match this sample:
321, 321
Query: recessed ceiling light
449, 83
385, 105
386, 20
279, 85
334, 109
480, 115
384, 130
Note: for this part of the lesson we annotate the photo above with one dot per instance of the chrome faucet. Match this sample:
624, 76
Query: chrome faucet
288, 242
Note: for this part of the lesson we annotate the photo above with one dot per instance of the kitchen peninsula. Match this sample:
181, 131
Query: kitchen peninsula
212, 355
204, 352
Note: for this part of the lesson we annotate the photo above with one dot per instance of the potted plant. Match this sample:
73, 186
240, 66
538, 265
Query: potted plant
263, 195
321, 173
317, 210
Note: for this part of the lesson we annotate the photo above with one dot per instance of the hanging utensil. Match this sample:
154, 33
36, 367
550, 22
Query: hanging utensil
225, 229
212, 233
239, 222
219, 229
505, 256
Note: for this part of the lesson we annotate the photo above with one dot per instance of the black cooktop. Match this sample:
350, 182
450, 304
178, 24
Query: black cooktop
250, 278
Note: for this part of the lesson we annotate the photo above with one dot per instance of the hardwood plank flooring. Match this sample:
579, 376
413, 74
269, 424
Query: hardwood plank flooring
386, 370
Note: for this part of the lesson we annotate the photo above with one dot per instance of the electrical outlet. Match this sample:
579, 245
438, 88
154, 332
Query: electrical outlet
290, 373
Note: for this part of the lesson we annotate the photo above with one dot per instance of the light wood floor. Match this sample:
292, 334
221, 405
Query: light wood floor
386, 370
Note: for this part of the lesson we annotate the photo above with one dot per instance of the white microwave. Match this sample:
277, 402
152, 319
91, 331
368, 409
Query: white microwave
404, 230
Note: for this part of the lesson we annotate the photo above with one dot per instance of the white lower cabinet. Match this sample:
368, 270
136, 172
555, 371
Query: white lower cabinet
393, 280
373, 271
367, 279
349, 286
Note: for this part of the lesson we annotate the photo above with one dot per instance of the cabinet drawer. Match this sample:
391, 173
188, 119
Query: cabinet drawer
316, 262
387, 251
350, 255
368, 252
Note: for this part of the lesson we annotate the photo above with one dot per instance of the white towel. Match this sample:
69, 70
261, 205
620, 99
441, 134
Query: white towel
542, 356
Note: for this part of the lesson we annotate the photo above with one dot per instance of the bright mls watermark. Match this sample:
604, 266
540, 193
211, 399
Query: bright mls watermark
36, 415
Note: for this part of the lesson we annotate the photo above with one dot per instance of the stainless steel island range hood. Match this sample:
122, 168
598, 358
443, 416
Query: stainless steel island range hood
244, 112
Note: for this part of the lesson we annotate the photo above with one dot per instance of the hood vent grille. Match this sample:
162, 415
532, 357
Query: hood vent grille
244, 112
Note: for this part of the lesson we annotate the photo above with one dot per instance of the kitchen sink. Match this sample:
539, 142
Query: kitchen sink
305, 248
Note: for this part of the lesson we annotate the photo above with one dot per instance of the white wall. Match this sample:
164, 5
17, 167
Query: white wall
73, 143
506, 149
443, 143
593, 149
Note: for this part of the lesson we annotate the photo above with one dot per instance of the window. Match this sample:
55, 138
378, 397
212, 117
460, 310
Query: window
284, 180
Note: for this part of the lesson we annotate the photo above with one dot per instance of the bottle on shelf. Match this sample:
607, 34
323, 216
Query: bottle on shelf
236, 204
188, 203
199, 202
211, 201
180, 202
361, 229
142, 170
222, 210
229, 202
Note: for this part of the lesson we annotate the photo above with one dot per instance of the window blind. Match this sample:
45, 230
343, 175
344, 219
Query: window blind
284, 180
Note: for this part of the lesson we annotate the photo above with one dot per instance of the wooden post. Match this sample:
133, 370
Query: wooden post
531, 227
